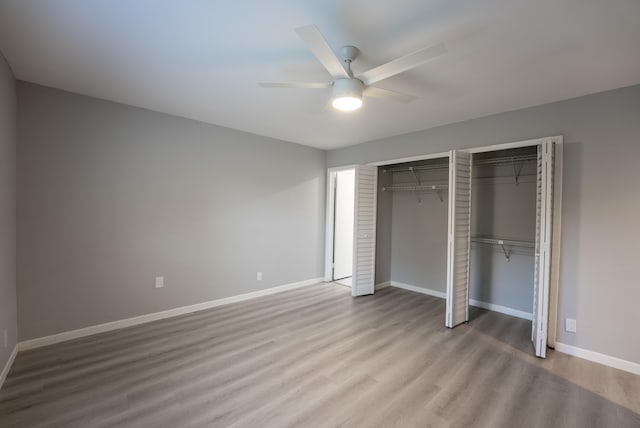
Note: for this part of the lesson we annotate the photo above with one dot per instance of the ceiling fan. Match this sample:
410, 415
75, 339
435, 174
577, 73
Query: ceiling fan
348, 89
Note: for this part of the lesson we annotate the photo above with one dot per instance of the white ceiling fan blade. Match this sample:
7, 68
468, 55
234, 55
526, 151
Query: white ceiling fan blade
385, 94
401, 64
321, 49
301, 85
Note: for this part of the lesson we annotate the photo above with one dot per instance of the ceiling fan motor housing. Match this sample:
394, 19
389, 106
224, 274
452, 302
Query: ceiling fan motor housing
348, 88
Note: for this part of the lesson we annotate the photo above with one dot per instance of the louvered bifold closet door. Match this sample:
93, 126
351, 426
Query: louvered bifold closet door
544, 223
364, 230
459, 238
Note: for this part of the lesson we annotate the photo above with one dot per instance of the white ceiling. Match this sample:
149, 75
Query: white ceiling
202, 59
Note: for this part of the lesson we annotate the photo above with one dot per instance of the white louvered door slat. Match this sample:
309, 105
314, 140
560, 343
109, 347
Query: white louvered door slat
364, 230
459, 238
544, 223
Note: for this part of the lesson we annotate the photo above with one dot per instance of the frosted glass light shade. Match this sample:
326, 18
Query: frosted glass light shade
347, 94
347, 103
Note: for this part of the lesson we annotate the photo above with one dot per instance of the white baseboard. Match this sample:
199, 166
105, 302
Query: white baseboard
596, 357
472, 302
7, 367
142, 319
607, 360
383, 285
502, 309
417, 289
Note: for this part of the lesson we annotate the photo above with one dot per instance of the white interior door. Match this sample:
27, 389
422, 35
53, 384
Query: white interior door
544, 223
364, 241
457, 308
343, 224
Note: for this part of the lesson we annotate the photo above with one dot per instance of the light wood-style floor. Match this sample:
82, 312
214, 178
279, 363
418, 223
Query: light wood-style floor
315, 357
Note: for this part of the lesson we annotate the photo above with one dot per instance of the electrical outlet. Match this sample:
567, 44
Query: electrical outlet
159, 281
6, 338
259, 276
570, 325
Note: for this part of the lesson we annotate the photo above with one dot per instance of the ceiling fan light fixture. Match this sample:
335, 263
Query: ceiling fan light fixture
347, 94
347, 103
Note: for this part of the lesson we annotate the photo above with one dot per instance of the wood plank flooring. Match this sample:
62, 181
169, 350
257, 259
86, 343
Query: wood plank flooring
316, 357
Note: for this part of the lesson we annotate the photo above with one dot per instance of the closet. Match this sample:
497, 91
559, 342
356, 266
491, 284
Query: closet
489, 226
503, 230
412, 225
478, 226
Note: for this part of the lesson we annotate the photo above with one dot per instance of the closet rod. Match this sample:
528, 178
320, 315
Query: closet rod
503, 243
509, 159
416, 168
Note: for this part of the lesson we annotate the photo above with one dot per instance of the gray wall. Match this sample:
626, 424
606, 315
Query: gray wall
111, 196
601, 206
8, 317
383, 229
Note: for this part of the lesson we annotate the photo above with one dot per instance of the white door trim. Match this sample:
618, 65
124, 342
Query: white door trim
328, 234
410, 159
514, 145
556, 239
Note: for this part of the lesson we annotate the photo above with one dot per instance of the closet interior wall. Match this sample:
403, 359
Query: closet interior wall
412, 225
383, 229
503, 207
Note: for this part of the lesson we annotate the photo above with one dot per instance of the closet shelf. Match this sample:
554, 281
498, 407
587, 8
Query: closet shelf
493, 161
416, 188
506, 159
516, 161
503, 243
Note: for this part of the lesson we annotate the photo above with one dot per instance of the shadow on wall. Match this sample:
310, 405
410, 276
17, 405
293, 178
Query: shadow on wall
383, 230
481, 266
568, 297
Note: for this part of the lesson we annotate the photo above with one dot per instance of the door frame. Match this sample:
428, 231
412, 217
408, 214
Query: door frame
342, 204
411, 159
329, 223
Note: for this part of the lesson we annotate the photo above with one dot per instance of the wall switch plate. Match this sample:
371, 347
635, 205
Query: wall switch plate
6, 337
570, 325
159, 281
259, 276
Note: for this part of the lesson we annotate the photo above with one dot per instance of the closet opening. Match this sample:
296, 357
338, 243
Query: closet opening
504, 235
503, 231
412, 225
350, 237
343, 218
